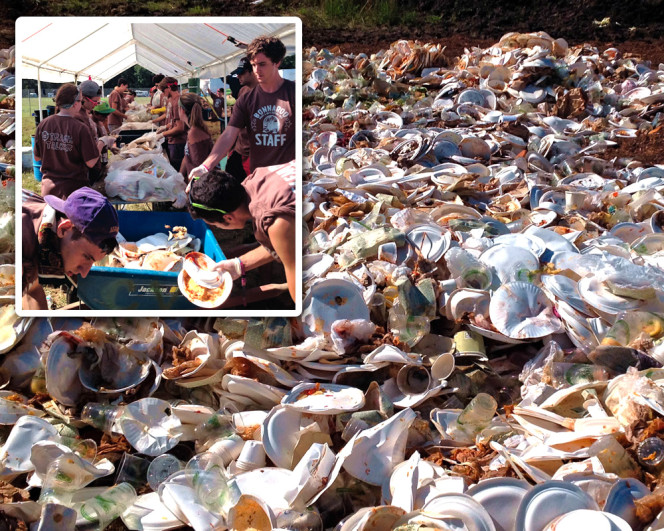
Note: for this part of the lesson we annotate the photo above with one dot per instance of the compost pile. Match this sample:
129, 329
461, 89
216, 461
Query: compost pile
481, 342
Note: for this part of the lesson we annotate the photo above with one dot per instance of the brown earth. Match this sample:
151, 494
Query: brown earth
634, 26
647, 147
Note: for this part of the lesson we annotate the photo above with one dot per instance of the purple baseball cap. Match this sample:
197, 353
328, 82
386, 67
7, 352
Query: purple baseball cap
90, 212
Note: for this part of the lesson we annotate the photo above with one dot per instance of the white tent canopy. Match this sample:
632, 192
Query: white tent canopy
64, 50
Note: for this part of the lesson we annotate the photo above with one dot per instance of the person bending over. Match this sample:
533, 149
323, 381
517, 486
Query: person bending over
266, 199
63, 238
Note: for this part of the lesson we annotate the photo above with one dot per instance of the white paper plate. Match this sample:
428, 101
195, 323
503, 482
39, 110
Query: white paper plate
522, 311
325, 399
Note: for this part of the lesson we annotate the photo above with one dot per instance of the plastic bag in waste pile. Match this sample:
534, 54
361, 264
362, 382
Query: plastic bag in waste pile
146, 178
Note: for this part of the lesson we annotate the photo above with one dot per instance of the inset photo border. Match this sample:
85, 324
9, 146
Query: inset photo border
161, 166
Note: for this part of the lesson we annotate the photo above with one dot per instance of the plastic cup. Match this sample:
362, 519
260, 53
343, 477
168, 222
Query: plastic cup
101, 416
210, 483
133, 470
63, 478
161, 468
86, 448
107, 506
218, 426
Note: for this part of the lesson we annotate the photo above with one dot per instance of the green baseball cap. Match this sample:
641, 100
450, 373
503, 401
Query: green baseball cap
103, 108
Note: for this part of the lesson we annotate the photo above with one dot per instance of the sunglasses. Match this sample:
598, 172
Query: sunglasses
203, 207
96, 102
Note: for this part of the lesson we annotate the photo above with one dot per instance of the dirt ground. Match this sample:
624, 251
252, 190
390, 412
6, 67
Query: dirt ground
634, 26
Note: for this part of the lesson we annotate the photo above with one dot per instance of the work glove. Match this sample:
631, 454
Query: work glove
198, 171
233, 266
108, 140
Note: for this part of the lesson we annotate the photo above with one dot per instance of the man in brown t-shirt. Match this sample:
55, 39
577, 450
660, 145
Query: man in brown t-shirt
267, 112
266, 198
117, 101
63, 238
91, 97
238, 163
175, 130
65, 146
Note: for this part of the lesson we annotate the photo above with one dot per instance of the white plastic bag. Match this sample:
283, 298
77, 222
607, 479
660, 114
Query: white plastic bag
159, 182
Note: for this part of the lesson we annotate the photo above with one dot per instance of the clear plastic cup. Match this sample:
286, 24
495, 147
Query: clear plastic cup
161, 468
650, 454
133, 470
471, 272
63, 477
110, 504
210, 483
101, 416
478, 413
218, 426
86, 448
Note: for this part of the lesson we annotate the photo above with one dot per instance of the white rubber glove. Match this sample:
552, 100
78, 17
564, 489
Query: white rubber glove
108, 140
198, 171
233, 266
162, 129
160, 136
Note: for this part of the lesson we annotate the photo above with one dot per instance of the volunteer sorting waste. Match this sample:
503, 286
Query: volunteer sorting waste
91, 97
266, 199
199, 141
65, 146
100, 118
267, 112
174, 130
63, 238
117, 101
238, 161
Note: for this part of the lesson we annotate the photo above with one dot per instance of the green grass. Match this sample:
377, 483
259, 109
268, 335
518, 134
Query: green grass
28, 121
353, 14
198, 11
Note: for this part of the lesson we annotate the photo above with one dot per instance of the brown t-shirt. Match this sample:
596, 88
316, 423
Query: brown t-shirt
63, 144
270, 196
242, 143
37, 259
198, 147
270, 121
116, 101
173, 116
86, 119
217, 105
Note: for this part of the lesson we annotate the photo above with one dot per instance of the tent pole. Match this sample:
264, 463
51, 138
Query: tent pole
225, 101
39, 91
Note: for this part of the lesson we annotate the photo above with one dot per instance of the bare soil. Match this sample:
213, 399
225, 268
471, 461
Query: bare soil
634, 26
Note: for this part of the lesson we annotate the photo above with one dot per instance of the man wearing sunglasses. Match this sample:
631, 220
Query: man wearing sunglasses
63, 238
266, 199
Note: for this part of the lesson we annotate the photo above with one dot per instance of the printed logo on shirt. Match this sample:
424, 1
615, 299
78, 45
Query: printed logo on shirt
57, 141
274, 118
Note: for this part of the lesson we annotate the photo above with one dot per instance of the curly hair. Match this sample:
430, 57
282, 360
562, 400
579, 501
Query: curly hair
216, 190
272, 47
